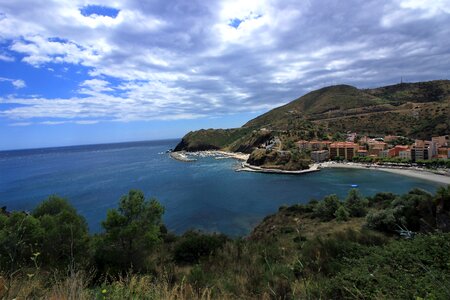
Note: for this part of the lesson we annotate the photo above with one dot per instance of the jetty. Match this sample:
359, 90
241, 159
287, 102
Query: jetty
181, 156
246, 167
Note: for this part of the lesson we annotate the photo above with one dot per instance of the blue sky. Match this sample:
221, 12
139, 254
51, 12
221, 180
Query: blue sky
81, 72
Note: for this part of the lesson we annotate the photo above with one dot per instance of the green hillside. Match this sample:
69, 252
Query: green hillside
417, 110
339, 97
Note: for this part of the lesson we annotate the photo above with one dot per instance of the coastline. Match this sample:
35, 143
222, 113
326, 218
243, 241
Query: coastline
419, 173
250, 168
217, 154
411, 172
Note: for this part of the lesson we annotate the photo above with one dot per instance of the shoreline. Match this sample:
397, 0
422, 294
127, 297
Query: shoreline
251, 168
217, 154
407, 171
418, 173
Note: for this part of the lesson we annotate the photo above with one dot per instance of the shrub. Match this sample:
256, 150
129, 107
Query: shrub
21, 237
342, 214
328, 255
403, 269
193, 246
66, 234
414, 211
383, 220
356, 204
326, 208
381, 200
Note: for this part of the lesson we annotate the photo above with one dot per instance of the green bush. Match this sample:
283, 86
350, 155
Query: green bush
383, 220
404, 269
356, 204
66, 235
328, 255
326, 208
21, 237
194, 245
415, 211
131, 232
381, 200
342, 214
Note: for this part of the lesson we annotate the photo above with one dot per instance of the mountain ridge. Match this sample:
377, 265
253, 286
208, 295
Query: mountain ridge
418, 110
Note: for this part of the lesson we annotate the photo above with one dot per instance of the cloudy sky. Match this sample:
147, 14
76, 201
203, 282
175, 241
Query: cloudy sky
81, 71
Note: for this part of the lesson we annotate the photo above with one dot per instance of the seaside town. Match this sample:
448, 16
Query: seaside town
357, 148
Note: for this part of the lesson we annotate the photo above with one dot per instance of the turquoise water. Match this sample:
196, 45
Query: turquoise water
207, 194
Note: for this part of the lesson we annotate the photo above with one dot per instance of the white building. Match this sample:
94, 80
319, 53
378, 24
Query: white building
405, 154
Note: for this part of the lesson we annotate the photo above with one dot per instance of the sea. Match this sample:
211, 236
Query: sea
207, 195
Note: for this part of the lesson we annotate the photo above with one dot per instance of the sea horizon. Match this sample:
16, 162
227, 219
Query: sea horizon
87, 145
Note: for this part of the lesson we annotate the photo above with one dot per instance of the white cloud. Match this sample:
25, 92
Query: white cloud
7, 58
20, 124
182, 59
17, 83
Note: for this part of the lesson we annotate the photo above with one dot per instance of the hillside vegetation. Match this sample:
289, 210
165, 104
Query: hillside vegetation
382, 247
417, 110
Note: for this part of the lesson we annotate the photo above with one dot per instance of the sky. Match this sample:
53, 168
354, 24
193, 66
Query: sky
93, 71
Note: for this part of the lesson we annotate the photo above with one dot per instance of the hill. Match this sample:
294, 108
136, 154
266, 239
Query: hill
417, 110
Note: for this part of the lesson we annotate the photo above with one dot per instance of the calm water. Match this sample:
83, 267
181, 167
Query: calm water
207, 194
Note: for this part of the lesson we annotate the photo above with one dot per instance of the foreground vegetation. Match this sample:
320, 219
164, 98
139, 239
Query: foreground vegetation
386, 247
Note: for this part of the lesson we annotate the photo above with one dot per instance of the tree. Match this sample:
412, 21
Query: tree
342, 214
20, 238
356, 204
130, 232
326, 208
66, 235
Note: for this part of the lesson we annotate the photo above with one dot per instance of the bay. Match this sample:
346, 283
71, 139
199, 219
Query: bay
207, 194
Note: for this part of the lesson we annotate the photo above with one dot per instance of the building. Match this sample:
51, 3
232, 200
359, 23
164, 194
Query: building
361, 153
320, 155
302, 145
383, 153
394, 152
313, 145
319, 145
443, 152
423, 150
406, 154
441, 141
344, 150
375, 147
391, 138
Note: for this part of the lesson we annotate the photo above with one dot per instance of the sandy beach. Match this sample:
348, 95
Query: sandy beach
411, 172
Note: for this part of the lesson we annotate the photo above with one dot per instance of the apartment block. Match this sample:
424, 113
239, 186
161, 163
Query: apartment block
320, 155
345, 150
441, 141
406, 154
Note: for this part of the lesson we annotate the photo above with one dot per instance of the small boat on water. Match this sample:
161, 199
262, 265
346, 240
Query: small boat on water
354, 185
